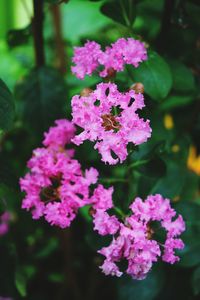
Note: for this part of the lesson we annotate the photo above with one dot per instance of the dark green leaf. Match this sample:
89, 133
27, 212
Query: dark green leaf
174, 101
147, 22
21, 282
183, 79
48, 248
156, 76
190, 187
155, 168
147, 289
172, 183
121, 11
56, 1
18, 37
6, 107
190, 255
196, 281
85, 212
43, 95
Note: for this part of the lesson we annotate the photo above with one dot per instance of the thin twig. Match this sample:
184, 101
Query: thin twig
60, 46
38, 32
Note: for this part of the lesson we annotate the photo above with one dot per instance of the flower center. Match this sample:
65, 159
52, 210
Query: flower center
109, 122
149, 232
51, 193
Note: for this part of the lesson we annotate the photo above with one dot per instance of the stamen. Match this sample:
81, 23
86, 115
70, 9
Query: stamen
109, 122
149, 232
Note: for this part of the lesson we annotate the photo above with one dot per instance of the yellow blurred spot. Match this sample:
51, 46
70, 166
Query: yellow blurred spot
168, 121
193, 162
176, 199
175, 148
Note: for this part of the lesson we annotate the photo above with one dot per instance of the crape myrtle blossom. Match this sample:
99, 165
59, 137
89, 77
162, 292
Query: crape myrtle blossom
86, 59
4, 222
134, 239
109, 118
59, 135
56, 187
124, 51
101, 201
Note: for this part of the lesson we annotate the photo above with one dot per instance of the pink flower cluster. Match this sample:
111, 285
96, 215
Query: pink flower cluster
133, 238
55, 186
102, 201
4, 222
59, 135
124, 51
109, 118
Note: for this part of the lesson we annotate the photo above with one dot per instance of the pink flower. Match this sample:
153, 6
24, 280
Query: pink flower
134, 241
174, 228
155, 208
102, 198
4, 223
169, 247
124, 51
86, 59
111, 131
110, 268
59, 135
56, 187
104, 223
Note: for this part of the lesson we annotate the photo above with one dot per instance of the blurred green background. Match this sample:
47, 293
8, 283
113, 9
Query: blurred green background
40, 262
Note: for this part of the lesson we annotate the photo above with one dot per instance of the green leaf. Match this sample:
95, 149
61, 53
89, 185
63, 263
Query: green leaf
18, 37
196, 281
155, 168
147, 22
56, 1
183, 79
172, 183
56, 277
155, 74
190, 187
21, 282
147, 289
85, 212
121, 11
6, 107
190, 255
43, 96
48, 248
174, 101
86, 13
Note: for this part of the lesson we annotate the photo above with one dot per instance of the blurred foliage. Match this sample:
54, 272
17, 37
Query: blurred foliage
41, 262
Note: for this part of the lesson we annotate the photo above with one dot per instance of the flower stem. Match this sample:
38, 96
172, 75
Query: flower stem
120, 212
112, 180
138, 163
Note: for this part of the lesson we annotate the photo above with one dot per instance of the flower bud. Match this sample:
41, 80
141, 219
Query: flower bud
86, 92
111, 74
92, 211
138, 87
